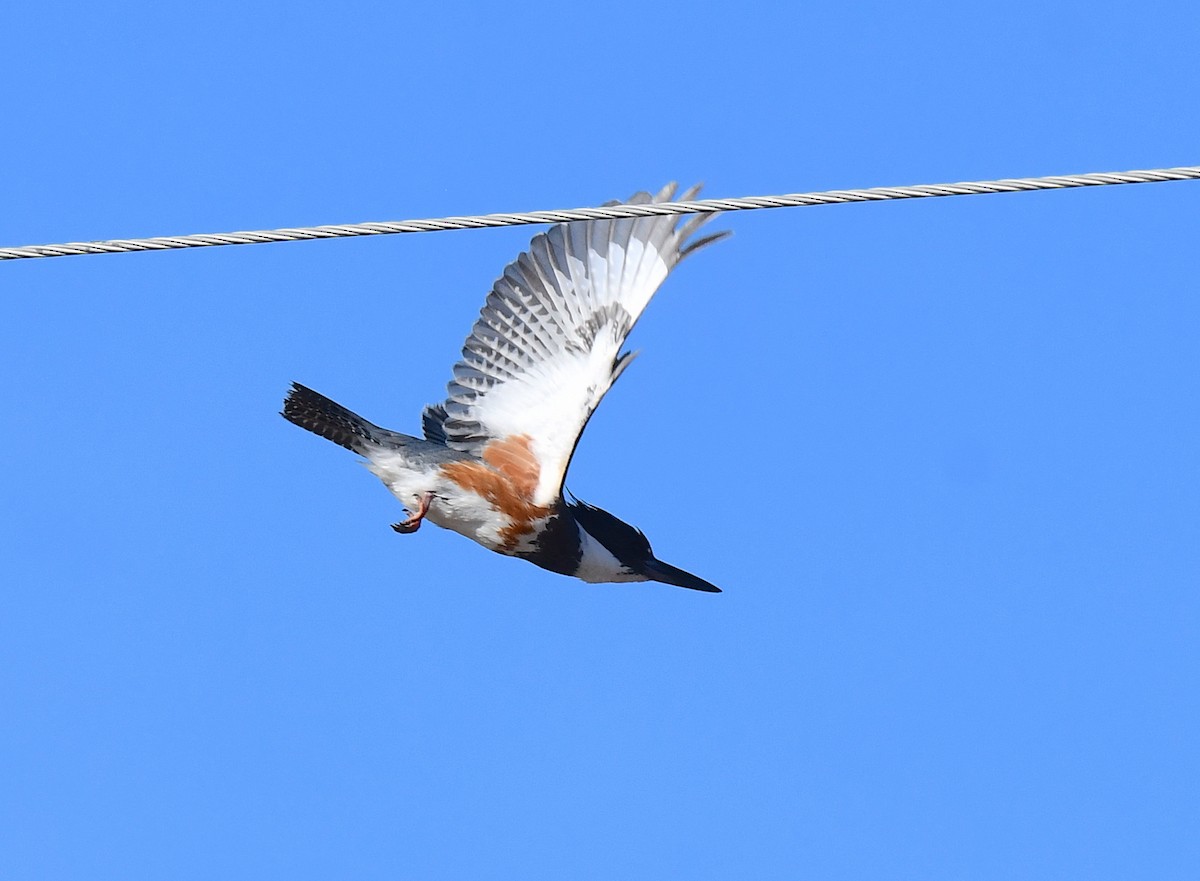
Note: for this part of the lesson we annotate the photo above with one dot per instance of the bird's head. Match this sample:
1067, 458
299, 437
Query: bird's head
622, 552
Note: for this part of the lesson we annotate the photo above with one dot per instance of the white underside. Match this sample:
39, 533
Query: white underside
452, 507
469, 514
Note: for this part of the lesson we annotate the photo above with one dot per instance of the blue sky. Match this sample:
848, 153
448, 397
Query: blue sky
941, 455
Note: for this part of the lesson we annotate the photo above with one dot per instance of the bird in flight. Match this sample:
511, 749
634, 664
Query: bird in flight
543, 354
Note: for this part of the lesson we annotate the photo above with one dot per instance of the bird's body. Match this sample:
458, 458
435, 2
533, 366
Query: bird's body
544, 352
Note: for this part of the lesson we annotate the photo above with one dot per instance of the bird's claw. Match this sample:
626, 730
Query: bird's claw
413, 523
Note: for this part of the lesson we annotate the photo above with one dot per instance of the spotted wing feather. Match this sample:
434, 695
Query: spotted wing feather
547, 345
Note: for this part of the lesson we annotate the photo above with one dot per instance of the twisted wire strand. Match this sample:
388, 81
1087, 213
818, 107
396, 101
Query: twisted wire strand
699, 206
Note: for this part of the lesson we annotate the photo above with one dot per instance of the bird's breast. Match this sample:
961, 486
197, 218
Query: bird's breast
489, 501
496, 505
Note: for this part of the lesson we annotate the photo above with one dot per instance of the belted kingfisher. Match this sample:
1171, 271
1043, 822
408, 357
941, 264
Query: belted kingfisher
541, 357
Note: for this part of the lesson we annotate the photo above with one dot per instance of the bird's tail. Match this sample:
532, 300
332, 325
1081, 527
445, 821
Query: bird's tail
331, 420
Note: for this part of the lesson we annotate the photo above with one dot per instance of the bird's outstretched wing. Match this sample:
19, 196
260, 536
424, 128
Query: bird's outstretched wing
547, 345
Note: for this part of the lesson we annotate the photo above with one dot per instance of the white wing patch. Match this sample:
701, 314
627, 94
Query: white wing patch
547, 345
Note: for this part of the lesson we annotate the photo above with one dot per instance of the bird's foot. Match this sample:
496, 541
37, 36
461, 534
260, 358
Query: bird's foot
413, 523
